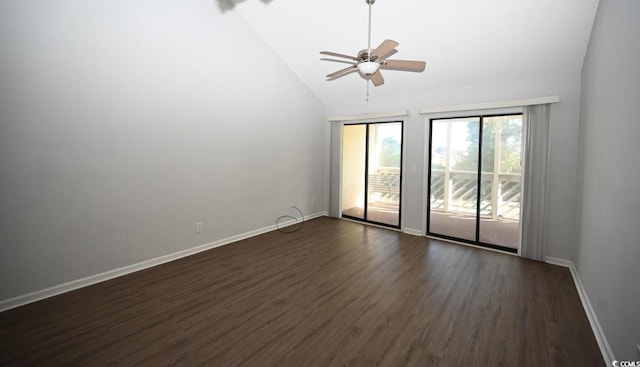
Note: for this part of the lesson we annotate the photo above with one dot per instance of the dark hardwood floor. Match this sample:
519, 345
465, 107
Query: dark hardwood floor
335, 293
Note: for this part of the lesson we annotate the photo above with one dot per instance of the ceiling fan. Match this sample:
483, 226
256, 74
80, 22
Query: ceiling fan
369, 62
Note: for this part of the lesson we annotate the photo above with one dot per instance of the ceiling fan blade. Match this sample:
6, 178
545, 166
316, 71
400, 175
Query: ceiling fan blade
376, 78
342, 72
341, 61
329, 53
404, 65
385, 47
389, 54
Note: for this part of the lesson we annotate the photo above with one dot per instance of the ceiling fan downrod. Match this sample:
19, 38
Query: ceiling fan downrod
369, 2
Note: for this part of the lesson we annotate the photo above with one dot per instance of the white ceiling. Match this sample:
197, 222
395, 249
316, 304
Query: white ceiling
465, 42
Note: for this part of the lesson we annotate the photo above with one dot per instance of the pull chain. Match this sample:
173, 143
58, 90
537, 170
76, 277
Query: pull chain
367, 91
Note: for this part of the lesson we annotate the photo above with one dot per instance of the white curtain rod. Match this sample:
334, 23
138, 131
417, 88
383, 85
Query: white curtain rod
490, 105
370, 116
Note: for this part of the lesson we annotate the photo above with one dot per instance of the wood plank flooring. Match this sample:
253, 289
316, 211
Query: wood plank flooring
335, 293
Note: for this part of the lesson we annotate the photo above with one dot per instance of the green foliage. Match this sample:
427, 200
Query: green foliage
390, 152
511, 143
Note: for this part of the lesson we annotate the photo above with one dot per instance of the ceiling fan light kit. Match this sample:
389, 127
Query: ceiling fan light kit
369, 62
368, 67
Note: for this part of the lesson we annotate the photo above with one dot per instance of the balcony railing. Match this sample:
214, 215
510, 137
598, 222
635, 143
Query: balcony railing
456, 192
385, 186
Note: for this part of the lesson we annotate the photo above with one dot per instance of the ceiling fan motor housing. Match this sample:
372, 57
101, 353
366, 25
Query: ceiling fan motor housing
364, 56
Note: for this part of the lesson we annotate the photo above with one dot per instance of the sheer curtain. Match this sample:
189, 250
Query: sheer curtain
535, 181
334, 170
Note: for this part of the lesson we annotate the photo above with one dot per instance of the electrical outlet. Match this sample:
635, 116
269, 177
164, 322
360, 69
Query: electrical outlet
199, 227
313, 201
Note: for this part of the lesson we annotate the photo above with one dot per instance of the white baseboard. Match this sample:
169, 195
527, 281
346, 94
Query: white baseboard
601, 338
558, 261
98, 278
412, 231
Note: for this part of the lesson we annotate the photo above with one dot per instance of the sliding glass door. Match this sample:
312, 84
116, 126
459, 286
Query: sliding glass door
475, 180
371, 172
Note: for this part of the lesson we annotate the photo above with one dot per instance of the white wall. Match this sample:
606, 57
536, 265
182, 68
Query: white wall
607, 255
122, 123
353, 166
563, 149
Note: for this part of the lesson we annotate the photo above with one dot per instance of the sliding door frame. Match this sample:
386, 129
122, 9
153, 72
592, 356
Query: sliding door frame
366, 174
477, 241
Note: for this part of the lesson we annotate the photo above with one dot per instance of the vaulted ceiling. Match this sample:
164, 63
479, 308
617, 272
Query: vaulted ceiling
465, 42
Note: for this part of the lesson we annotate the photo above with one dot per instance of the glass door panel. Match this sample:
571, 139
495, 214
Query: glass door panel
454, 178
383, 174
501, 173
